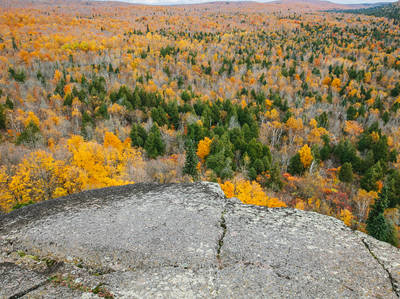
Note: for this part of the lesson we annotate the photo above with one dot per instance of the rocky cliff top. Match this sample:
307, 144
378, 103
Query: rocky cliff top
186, 240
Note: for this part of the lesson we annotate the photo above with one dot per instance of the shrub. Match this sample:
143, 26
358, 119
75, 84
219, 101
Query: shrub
18, 76
30, 136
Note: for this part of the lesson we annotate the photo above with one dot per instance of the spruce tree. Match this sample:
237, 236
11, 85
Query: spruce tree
221, 156
159, 116
370, 179
190, 167
9, 103
345, 152
138, 135
154, 144
346, 173
393, 185
377, 225
275, 179
295, 166
252, 174
326, 150
136, 100
2, 117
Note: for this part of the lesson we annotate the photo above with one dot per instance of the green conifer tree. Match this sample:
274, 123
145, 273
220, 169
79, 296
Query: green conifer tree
9, 103
138, 135
370, 179
346, 173
154, 144
190, 167
2, 117
295, 166
377, 225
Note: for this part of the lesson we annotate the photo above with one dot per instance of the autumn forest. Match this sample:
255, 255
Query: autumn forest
282, 107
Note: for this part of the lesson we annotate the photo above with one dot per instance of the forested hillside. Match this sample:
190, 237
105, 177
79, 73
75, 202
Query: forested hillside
390, 11
282, 108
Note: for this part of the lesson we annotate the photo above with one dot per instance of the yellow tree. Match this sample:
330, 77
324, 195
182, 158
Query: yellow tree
40, 177
346, 216
306, 156
250, 193
203, 148
6, 199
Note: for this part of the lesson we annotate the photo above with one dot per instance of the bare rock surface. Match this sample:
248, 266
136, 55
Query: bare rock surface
186, 241
16, 281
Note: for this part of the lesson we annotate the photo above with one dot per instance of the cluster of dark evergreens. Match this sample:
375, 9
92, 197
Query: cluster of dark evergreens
390, 11
234, 129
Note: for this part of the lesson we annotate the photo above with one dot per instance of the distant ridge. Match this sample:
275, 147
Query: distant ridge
323, 4
273, 5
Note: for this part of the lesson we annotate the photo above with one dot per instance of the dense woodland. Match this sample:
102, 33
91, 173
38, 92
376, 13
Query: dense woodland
390, 11
282, 108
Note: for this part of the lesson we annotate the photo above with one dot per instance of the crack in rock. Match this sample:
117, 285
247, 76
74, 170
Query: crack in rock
25, 292
222, 224
395, 289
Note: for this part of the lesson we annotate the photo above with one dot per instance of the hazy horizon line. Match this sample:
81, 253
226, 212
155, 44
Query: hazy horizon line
187, 2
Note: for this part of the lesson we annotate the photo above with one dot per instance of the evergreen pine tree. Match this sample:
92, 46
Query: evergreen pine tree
326, 150
220, 159
102, 111
377, 225
370, 179
136, 100
252, 174
2, 117
393, 185
110, 68
154, 144
159, 116
295, 166
138, 135
346, 173
190, 167
275, 180
9, 103
345, 152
